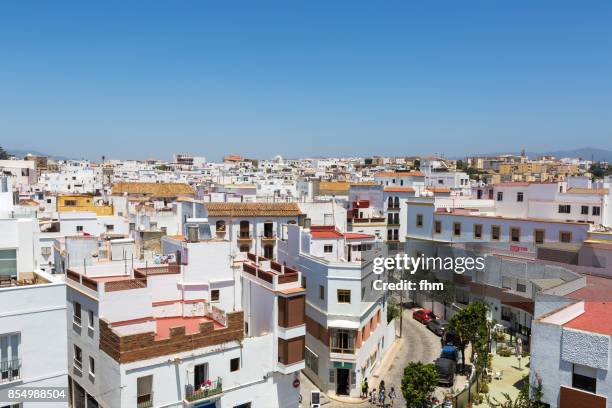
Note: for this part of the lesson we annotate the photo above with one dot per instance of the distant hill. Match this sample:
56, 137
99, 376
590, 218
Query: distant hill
587, 153
22, 153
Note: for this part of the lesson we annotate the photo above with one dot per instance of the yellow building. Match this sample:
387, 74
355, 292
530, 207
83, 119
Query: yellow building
81, 202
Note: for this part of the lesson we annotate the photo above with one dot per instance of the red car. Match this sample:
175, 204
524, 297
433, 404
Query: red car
423, 315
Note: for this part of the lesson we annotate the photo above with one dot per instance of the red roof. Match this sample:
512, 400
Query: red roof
399, 189
324, 232
597, 316
399, 174
439, 189
356, 235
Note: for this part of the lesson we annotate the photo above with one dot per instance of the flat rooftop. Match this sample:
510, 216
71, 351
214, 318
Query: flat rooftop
192, 325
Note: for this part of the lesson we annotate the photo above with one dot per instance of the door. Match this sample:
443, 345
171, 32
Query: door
342, 383
200, 375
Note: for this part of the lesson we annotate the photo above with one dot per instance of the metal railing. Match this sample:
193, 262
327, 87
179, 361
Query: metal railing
10, 370
144, 401
207, 390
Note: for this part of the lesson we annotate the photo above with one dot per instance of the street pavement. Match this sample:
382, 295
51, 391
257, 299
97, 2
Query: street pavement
416, 344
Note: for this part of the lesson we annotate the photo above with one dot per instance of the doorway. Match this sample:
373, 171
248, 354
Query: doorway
342, 383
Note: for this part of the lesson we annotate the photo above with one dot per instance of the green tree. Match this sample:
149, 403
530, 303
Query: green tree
471, 325
418, 381
3, 154
393, 311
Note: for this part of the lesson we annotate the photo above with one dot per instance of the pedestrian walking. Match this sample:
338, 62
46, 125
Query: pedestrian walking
364, 388
392, 396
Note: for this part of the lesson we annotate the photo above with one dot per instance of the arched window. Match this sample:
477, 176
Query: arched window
390, 202
245, 229
396, 202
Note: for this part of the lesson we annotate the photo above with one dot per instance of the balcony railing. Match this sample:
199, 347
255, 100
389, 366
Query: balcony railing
207, 391
144, 401
10, 370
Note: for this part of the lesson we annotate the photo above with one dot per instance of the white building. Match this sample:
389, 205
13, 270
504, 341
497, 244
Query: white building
346, 320
174, 335
32, 309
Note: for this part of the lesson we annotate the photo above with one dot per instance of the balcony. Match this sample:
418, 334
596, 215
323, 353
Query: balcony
10, 370
269, 237
244, 236
210, 390
144, 401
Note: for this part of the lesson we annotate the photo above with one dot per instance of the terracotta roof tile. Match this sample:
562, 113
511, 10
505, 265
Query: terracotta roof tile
399, 174
153, 189
392, 189
253, 209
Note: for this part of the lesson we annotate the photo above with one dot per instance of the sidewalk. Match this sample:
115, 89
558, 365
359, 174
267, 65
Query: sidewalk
376, 376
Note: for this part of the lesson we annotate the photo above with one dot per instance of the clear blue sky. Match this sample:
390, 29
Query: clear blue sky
298, 78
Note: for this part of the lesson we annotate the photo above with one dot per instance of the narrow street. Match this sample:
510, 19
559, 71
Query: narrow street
417, 344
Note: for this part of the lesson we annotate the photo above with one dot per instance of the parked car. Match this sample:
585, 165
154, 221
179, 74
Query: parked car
450, 352
423, 315
437, 326
446, 369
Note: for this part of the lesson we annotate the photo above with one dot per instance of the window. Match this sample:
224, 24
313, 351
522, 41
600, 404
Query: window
268, 251
538, 236
328, 248
144, 391
506, 314
457, 228
584, 378
235, 364
495, 232
321, 292
70, 203
8, 262
200, 375
596, 210
344, 296
244, 248
565, 236
584, 210
9, 357
565, 209
438, 227
311, 360
220, 226
76, 314
90, 320
396, 202
92, 367
519, 197
77, 359
500, 196
419, 220
332, 375
214, 295
521, 286
506, 282
79, 228
303, 281
342, 341
477, 231
245, 229
515, 234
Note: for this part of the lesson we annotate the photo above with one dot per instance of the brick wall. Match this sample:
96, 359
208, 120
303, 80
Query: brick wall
142, 346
